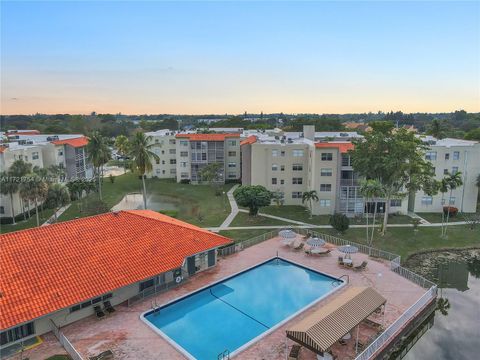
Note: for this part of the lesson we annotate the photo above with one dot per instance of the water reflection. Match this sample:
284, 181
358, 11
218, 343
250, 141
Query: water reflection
456, 332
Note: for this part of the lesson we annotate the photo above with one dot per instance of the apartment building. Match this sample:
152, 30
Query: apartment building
293, 163
182, 156
68, 151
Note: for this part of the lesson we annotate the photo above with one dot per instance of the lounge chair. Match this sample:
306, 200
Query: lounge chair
98, 311
360, 267
106, 355
318, 251
298, 246
294, 352
108, 307
340, 261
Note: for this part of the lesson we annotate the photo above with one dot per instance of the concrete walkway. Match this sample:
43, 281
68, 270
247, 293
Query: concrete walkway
60, 211
233, 206
416, 216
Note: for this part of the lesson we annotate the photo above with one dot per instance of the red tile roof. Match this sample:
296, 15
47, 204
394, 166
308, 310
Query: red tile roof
53, 267
343, 147
75, 142
207, 137
23, 132
2, 149
249, 140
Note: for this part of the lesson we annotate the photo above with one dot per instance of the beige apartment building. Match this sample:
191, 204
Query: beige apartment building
294, 163
183, 155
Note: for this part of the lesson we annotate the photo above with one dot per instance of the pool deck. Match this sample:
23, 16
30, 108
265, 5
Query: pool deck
129, 338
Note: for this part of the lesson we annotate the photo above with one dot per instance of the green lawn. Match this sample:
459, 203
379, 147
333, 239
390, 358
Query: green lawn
405, 241
239, 235
25, 224
197, 203
243, 219
300, 213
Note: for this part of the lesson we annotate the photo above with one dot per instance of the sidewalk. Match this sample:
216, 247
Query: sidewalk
60, 211
233, 206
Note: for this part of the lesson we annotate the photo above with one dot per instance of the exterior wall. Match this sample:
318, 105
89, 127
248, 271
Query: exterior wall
468, 164
183, 162
166, 149
246, 156
232, 157
321, 207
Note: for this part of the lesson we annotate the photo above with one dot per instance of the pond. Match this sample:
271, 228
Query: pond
155, 202
454, 331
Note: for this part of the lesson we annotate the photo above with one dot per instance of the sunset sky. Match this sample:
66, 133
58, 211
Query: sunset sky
231, 57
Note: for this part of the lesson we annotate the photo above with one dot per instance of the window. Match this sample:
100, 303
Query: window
282, 153
431, 155
172, 151
232, 153
325, 202
60, 152
325, 187
296, 195
447, 156
173, 161
183, 143
451, 201
445, 171
326, 172
297, 181
157, 171
274, 181
297, 153
427, 200
34, 155
282, 167
346, 160
297, 167
274, 167
96, 300
184, 175
327, 156
274, 152
232, 165
26, 158
454, 170
232, 142
2, 209
146, 284
173, 171
17, 333
282, 182
232, 175
183, 164
396, 202
157, 161
172, 141
163, 152
163, 162
183, 153
456, 155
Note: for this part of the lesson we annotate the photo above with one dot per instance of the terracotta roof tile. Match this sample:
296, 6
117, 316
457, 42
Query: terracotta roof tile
343, 147
249, 140
49, 268
207, 137
75, 142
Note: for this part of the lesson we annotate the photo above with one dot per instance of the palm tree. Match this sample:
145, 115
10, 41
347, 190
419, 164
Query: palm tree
309, 196
57, 196
8, 187
436, 129
98, 154
443, 188
34, 189
122, 145
372, 189
454, 181
17, 170
142, 158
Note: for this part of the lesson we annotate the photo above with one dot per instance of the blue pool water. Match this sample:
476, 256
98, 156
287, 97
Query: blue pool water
231, 313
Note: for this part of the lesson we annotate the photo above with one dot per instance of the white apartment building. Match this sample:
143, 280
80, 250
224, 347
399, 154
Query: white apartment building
183, 155
65, 150
293, 163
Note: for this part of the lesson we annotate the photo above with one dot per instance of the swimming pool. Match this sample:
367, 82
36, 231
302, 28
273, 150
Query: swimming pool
232, 313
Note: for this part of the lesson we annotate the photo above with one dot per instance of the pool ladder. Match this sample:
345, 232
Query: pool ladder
225, 355
337, 281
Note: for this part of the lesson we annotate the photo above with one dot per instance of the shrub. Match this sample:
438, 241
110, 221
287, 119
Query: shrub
450, 209
185, 181
171, 213
340, 222
112, 178
253, 196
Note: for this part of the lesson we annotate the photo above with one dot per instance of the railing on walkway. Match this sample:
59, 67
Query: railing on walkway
67, 345
238, 246
397, 325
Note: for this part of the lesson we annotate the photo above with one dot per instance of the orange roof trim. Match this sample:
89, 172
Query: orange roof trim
343, 147
75, 142
49, 268
249, 140
207, 137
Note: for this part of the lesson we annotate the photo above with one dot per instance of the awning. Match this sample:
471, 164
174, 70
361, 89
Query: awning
326, 326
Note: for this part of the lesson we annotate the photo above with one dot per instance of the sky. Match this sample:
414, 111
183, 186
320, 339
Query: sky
231, 57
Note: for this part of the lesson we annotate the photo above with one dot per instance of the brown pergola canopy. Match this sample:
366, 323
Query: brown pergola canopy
326, 326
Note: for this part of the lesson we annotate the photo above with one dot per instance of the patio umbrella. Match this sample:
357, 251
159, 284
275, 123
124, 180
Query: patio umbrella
315, 242
287, 234
348, 249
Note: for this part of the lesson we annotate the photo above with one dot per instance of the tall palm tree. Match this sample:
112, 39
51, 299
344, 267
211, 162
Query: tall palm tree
17, 171
98, 154
8, 187
443, 188
34, 189
122, 145
372, 189
58, 196
454, 181
142, 158
309, 196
